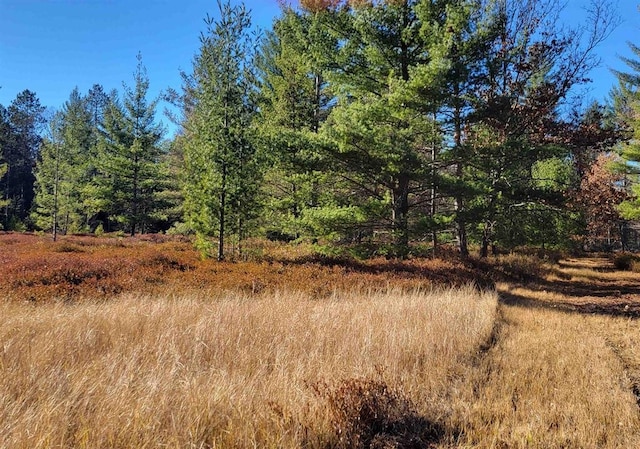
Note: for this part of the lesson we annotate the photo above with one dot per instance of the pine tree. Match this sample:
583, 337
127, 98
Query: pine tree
627, 102
4, 132
387, 74
222, 171
62, 169
129, 163
530, 67
3, 172
293, 104
22, 124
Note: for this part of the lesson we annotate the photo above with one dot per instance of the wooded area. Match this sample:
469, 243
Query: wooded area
388, 126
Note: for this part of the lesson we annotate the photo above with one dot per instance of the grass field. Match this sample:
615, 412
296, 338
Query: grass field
164, 350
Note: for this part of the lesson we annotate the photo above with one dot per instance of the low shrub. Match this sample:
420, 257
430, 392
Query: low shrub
367, 414
625, 261
65, 247
85, 267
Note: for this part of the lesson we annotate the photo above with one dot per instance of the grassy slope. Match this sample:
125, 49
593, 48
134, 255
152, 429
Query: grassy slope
243, 360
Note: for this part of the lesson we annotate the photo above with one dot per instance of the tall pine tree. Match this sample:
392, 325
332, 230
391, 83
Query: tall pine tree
627, 102
222, 171
131, 172
62, 169
22, 123
294, 102
387, 74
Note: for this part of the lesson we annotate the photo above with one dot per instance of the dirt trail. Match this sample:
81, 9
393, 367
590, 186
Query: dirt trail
594, 288
565, 367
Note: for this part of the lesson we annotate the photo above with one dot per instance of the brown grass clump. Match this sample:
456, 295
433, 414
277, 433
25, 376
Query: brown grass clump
626, 262
367, 413
231, 371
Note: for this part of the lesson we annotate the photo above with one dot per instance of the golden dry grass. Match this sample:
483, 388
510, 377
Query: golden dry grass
357, 355
565, 369
224, 372
551, 382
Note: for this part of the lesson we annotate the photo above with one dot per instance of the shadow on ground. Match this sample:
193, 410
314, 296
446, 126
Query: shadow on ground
593, 293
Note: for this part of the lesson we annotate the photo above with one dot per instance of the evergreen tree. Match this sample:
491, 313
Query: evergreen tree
4, 134
97, 101
222, 171
387, 73
471, 28
529, 70
129, 162
63, 169
293, 104
627, 102
3, 172
169, 211
21, 126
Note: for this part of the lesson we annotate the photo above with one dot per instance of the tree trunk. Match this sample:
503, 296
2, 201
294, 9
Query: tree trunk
459, 198
484, 248
221, 214
400, 215
134, 202
56, 182
434, 192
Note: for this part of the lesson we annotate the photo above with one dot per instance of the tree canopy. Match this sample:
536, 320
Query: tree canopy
397, 125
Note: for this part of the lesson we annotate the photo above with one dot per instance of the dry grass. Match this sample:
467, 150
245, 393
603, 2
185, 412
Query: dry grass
565, 371
551, 382
226, 372
153, 347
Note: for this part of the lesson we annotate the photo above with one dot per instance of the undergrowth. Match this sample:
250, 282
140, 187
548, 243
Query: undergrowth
89, 267
368, 414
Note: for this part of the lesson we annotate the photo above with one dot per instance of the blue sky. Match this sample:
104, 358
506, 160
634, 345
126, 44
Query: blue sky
52, 46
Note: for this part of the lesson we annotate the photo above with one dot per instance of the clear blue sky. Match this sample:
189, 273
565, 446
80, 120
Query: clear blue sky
52, 46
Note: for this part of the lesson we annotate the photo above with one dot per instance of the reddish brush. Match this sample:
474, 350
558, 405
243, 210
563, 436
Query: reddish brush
87, 267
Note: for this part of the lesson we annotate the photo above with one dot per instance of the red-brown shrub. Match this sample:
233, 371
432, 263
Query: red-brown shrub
89, 267
367, 414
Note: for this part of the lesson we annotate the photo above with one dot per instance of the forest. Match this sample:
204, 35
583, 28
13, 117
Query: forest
384, 127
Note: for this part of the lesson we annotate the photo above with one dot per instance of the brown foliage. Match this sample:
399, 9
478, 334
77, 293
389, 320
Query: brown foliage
367, 413
332, 5
600, 193
319, 5
83, 267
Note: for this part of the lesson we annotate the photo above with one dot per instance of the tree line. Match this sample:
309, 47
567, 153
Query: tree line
395, 124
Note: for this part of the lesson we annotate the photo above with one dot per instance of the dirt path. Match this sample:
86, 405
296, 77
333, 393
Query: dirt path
564, 371
594, 288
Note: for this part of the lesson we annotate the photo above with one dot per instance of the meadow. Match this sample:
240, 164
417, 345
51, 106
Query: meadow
121, 343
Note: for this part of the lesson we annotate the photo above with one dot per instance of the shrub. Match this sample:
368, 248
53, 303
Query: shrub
624, 261
522, 267
65, 247
179, 228
366, 413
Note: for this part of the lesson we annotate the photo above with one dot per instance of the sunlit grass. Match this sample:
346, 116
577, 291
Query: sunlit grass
551, 382
232, 372
295, 350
